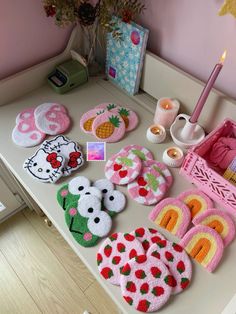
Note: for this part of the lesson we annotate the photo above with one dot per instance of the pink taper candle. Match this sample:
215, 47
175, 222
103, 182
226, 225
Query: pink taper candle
201, 101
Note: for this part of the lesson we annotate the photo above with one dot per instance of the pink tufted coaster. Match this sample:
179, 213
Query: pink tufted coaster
146, 283
148, 236
25, 133
114, 252
172, 215
25, 114
140, 151
129, 117
196, 200
218, 220
205, 245
108, 127
110, 106
87, 119
123, 168
161, 168
51, 118
148, 188
52, 106
176, 260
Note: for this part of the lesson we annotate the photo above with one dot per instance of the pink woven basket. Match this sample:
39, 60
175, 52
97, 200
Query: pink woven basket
197, 169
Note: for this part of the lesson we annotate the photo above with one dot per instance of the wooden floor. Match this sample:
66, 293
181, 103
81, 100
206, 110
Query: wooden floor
39, 273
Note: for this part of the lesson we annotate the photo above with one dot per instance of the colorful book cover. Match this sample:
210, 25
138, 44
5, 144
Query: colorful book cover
125, 57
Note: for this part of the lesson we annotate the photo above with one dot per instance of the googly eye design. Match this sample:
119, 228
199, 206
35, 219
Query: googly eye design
115, 201
78, 185
89, 206
100, 224
104, 185
93, 191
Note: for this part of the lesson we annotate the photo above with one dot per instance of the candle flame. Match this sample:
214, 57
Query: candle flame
222, 59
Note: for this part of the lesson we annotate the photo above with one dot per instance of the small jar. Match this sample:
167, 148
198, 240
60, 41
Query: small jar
156, 134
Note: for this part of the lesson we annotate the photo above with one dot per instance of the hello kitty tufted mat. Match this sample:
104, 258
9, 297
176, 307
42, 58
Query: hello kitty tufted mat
56, 158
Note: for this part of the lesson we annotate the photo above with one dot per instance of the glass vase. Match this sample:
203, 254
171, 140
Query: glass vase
90, 33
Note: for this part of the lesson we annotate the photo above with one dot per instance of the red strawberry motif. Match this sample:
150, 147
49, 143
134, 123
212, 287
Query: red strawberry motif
121, 247
107, 250
99, 259
141, 259
130, 286
143, 192
107, 272
162, 243
123, 173
117, 167
184, 283
157, 291
170, 281
143, 305
144, 288
140, 274
146, 245
116, 260
139, 232
155, 239
113, 237
177, 247
125, 270
156, 272
128, 300
169, 256
129, 237
180, 267
156, 254
132, 253
141, 181
152, 230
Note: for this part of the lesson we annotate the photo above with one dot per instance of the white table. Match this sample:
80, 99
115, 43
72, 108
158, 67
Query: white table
208, 293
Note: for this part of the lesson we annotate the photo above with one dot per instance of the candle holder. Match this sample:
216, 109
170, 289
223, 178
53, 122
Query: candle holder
186, 134
173, 157
156, 134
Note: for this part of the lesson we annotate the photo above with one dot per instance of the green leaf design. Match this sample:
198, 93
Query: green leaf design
127, 161
100, 112
111, 106
157, 169
138, 153
152, 182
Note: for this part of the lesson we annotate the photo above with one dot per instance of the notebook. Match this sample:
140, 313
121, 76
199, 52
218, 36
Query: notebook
124, 58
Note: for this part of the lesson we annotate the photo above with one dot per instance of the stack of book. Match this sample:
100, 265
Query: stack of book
124, 58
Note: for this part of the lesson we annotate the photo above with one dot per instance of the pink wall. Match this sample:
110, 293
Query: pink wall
187, 33
27, 35
192, 36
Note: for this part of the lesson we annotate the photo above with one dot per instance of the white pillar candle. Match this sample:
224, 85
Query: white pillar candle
166, 111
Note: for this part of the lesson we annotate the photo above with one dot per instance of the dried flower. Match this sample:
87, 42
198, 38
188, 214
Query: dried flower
50, 10
127, 16
87, 12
